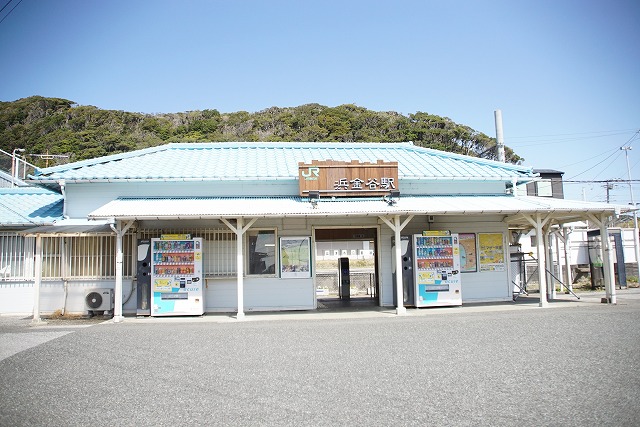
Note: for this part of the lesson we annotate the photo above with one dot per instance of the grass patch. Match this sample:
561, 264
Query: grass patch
57, 315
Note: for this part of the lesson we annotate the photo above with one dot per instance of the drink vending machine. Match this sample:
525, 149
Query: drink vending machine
437, 269
176, 276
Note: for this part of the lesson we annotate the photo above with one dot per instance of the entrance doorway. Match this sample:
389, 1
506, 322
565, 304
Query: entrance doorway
346, 265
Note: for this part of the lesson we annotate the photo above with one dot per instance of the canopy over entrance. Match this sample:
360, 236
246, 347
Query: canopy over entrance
515, 209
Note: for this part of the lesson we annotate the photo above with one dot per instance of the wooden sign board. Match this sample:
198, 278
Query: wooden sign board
347, 179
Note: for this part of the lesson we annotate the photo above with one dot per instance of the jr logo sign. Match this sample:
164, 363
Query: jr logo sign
336, 178
311, 174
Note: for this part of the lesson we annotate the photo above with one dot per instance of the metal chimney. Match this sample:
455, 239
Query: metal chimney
499, 136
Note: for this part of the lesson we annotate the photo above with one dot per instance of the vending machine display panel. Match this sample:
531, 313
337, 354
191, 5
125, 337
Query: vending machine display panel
176, 276
437, 269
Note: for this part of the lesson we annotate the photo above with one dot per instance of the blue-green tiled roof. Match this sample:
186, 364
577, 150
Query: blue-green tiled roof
28, 206
260, 160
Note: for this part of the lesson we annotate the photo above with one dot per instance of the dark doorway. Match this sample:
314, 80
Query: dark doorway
359, 245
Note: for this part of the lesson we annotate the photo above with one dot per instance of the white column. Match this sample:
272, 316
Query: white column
37, 279
400, 308
120, 231
566, 233
607, 262
397, 227
117, 310
239, 229
240, 267
550, 255
542, 263
558, 258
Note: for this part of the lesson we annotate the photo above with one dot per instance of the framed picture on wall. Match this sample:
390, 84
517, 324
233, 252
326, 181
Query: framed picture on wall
468, 258
295, 257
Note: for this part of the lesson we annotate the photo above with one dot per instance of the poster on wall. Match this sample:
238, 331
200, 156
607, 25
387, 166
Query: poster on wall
491, 250
468, 262
295, 257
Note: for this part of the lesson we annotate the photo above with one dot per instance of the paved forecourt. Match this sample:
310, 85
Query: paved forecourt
571, 364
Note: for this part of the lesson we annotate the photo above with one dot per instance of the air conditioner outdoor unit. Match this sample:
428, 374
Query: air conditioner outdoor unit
99, 299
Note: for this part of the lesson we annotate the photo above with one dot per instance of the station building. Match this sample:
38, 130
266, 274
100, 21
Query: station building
79, 227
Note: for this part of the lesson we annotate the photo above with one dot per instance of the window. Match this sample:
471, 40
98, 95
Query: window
219, 248
91, 257
261, 250
16, 256
544, 188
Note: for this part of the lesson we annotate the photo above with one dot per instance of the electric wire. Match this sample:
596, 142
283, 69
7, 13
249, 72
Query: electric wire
616, 131
591, 158
528, 141
589, 170
5, 6
9, 13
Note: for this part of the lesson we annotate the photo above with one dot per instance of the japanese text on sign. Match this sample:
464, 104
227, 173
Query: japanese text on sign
360, 184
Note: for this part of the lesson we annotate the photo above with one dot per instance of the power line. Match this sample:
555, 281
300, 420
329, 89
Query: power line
589, 170
4, 7
591, 158
617, 132
527, 141
9, 13
633, 137
603, 181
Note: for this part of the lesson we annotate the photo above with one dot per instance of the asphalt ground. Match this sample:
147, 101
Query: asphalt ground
573, 364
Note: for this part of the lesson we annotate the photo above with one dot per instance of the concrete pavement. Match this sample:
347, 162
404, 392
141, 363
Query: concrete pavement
575, 363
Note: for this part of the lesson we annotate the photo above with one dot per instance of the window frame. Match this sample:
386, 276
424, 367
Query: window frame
247, 254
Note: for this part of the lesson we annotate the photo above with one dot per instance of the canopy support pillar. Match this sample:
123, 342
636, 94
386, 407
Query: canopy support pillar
120, 231
538, 223
607, 258
37, 283
397, 227
239, 230
564, 236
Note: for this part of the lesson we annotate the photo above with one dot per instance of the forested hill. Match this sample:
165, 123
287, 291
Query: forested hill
59, 126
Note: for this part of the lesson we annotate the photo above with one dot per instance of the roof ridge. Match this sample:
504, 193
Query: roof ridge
103, 159
201, 154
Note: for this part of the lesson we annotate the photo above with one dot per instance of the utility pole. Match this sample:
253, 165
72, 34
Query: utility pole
636, 238
499, 136
608, 186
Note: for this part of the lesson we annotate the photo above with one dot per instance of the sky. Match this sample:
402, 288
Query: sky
564, 73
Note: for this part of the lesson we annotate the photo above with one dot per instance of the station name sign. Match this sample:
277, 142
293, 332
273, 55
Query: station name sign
335, 179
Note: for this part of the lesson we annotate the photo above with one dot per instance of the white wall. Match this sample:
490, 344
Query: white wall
272, 293
476, 287
18, 297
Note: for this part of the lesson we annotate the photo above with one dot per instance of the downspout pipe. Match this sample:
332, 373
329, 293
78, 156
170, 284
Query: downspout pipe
63, 191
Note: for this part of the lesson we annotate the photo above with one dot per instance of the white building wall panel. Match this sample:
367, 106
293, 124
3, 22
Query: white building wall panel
85, 198
260, 294
16, 298
482, 286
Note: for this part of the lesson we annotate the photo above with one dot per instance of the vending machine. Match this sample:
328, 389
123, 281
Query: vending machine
405, 270
176, 276
437, 269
